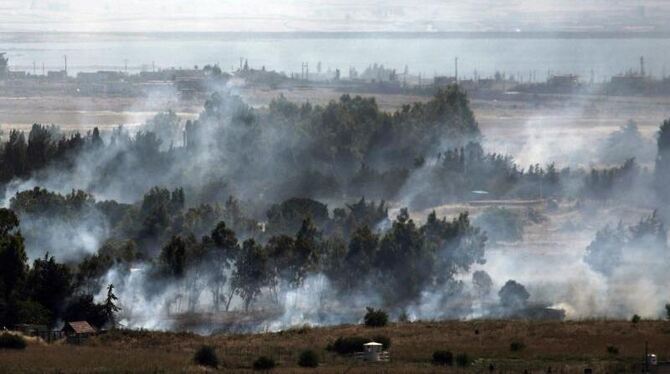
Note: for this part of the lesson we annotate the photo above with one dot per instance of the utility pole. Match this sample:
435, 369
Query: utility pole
65, 57
125, 63
456, 69
34, 68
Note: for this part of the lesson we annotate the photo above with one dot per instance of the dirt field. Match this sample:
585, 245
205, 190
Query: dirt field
565, 347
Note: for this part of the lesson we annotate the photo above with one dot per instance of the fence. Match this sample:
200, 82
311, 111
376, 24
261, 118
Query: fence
383, 356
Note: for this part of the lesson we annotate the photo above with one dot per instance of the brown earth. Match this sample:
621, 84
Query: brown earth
565, 347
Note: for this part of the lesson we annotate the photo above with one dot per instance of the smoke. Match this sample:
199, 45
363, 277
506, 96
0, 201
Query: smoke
229, 150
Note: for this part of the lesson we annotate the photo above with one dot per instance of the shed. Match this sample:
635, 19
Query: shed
78, 331
373, 352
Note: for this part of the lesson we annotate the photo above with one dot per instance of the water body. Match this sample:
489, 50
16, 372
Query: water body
428, 54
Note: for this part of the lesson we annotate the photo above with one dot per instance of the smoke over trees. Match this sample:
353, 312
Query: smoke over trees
274, 209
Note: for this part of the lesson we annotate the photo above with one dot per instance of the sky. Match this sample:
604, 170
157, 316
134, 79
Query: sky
332, 15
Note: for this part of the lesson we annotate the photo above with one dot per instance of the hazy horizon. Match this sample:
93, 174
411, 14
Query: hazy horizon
332, 15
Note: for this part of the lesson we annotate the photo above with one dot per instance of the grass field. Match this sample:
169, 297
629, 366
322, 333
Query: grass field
565, 347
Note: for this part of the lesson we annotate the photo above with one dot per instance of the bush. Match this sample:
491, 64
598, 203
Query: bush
264, 363
667, 311
612, 350
206, 356
11, 341
349, 344
376, 318
517, 346
404, 317
308, 359
462, 360
636, 318
444, 358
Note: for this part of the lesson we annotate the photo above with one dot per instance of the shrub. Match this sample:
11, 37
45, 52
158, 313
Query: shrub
667, 311
517, 346
612, 350
376, 318
11, 341
206, 356
264, 363
404, 317
385, 340
308, 359
636, 318
349, 344
462, 360
444, 358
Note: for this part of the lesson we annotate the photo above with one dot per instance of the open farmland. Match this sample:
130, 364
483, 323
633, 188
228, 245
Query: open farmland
565, 347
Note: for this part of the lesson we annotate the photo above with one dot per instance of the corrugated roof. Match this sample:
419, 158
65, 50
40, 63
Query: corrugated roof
81, 327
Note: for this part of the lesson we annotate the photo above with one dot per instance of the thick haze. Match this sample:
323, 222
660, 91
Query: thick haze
333, 15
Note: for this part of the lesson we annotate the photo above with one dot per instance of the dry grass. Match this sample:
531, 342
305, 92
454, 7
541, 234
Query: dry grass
563, 346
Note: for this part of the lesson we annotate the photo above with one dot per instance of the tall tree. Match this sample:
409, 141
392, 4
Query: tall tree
49, 283
223, 249
110, 306
251, 273
13, 259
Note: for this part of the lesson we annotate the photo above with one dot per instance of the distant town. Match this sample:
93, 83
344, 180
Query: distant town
199, 81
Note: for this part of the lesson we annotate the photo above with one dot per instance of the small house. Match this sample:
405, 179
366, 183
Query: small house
373, 352
78, 331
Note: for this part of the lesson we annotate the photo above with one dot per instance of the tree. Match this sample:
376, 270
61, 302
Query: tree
251, 273
110, 306
223, 251
13, 259
359, 260
305, 256
375, 317
50, 284
402, 261
173, 257
482, 282
513, 295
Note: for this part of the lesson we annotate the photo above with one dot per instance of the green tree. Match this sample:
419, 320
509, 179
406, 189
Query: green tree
360, 258
13, 259
402, 262
223, 250
50, 284
251, 273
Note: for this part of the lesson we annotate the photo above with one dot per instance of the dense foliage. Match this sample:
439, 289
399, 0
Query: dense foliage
233, 204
